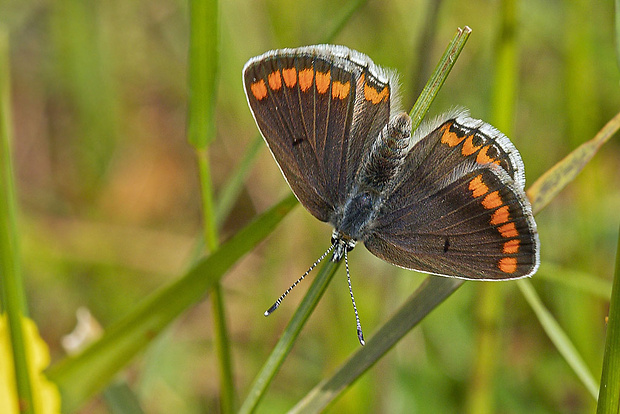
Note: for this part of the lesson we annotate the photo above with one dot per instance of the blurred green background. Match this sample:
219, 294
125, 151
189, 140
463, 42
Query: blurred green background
110, 204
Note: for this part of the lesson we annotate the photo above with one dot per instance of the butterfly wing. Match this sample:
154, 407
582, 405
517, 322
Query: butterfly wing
459, 208
319, 109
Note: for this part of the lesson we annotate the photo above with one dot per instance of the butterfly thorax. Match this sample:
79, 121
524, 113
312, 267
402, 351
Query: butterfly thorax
386, 156
374, 180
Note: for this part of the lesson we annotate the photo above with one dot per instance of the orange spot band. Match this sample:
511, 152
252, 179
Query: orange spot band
469, 147
450, 138
492, 200
483, 158
322, 81
508, 230
501, 215
478, 187
275, 81
507, 264
259, 89
290, 77
511, 246
340, 90
374, 96
305, 79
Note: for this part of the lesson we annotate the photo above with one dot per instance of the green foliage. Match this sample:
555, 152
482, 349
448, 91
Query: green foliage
113, 205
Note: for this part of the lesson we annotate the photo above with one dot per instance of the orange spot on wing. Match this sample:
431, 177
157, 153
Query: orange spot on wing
373, 95
305, 79
259, 89
508, 230
478, 187
290, 77
492, 200
322, 81
500, 216
275, 81
511, 246
340, 90
450, 138
483, 158
468, 146
507, 264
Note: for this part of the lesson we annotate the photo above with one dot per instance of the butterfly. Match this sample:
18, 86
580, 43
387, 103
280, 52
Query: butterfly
447, 201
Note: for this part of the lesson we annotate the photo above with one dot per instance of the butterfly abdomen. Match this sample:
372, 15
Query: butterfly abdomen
386, 156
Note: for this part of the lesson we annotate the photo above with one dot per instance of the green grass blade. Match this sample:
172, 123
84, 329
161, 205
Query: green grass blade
439, 76
560, 175
427, 297
203, 71
609, 393
540, 194
82, 376
13, 298
284, 345
203, 75
558, 337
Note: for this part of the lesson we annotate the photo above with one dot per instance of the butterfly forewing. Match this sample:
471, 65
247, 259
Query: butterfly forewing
319, 111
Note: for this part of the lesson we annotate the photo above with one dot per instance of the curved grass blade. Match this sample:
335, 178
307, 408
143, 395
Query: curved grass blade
609, 393
284, 345
561, 174
439, 76
427, 297
80, 377
558, 337
540, 194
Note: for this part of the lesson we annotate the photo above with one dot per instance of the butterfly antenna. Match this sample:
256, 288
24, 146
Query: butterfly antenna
281, 298
360, 334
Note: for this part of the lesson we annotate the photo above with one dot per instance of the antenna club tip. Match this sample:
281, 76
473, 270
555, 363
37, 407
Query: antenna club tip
271, 309
360, 337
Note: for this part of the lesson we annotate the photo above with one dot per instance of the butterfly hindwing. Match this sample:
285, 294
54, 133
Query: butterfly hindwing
457, 208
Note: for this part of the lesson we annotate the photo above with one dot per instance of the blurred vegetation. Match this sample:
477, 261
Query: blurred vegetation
110, 201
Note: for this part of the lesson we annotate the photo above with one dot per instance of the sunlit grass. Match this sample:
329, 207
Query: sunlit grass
108, 184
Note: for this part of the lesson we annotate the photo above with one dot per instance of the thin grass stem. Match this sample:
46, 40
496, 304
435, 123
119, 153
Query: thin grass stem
609, 391
12, 287
203, 75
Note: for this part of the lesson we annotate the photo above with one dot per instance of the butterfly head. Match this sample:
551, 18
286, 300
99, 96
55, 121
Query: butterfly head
341, 243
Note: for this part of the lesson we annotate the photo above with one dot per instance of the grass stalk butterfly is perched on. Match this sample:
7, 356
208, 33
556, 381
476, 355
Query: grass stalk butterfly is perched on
448, 200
